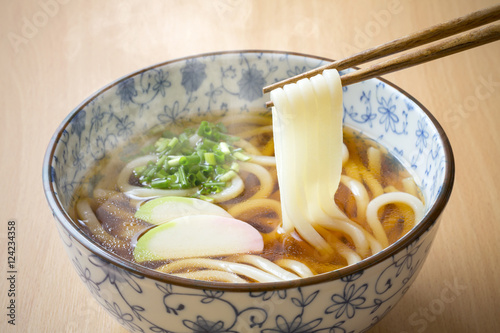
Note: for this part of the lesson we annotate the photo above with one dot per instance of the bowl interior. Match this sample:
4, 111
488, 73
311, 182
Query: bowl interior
231, 83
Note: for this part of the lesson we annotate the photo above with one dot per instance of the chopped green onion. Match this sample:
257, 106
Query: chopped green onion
209, 163
235, 167
219, 157
227, 176
175, 161
160, 183
204, 197
162, 144
151, 171
207, 144
224, 147
181, 176
161, 161
139, 169
214, 184
200, 177
210, 158
190, 160
183, 137
240, 156
162, 174
173, 142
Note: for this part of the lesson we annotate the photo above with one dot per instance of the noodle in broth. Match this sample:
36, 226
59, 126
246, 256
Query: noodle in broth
368, 172
290, 197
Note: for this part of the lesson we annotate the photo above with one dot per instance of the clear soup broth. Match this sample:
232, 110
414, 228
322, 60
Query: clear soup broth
107, 214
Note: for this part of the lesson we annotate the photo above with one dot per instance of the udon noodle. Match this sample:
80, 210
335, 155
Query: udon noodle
315, 210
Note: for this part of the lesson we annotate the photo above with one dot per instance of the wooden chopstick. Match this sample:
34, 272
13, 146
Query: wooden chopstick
438, 50
456, 44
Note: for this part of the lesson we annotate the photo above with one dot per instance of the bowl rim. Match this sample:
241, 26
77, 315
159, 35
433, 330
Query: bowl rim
67, 223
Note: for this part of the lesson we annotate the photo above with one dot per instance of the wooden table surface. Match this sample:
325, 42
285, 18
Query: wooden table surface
55, 53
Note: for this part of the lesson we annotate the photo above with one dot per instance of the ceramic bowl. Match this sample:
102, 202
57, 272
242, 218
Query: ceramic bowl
352, 299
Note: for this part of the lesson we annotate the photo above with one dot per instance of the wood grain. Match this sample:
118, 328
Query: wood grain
434, 51
405, 43
83, 45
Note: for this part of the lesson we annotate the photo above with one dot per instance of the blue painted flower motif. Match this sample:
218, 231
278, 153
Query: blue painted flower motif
398, 273
161, 83
97, 117
409, 105
224, 108
170, 114
355, 276
399, 152
64, 137
157, 329
78, 123
229, 72
251, 84
125, 319
267, 295
201, 325
85, 276
422, 134
368, 116
407, 260
101, 142
165, 288
213, 93
389, 117
347, 303
303, 301
78, 160
170, 309
376, 305
365, 98
125, 126
126, 90
271, 67
337, 328
116, 275
296, 70
211, 295
296, 326
66, 185
193, 75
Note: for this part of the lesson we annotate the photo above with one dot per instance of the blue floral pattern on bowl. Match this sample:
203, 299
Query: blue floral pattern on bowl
217, 85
